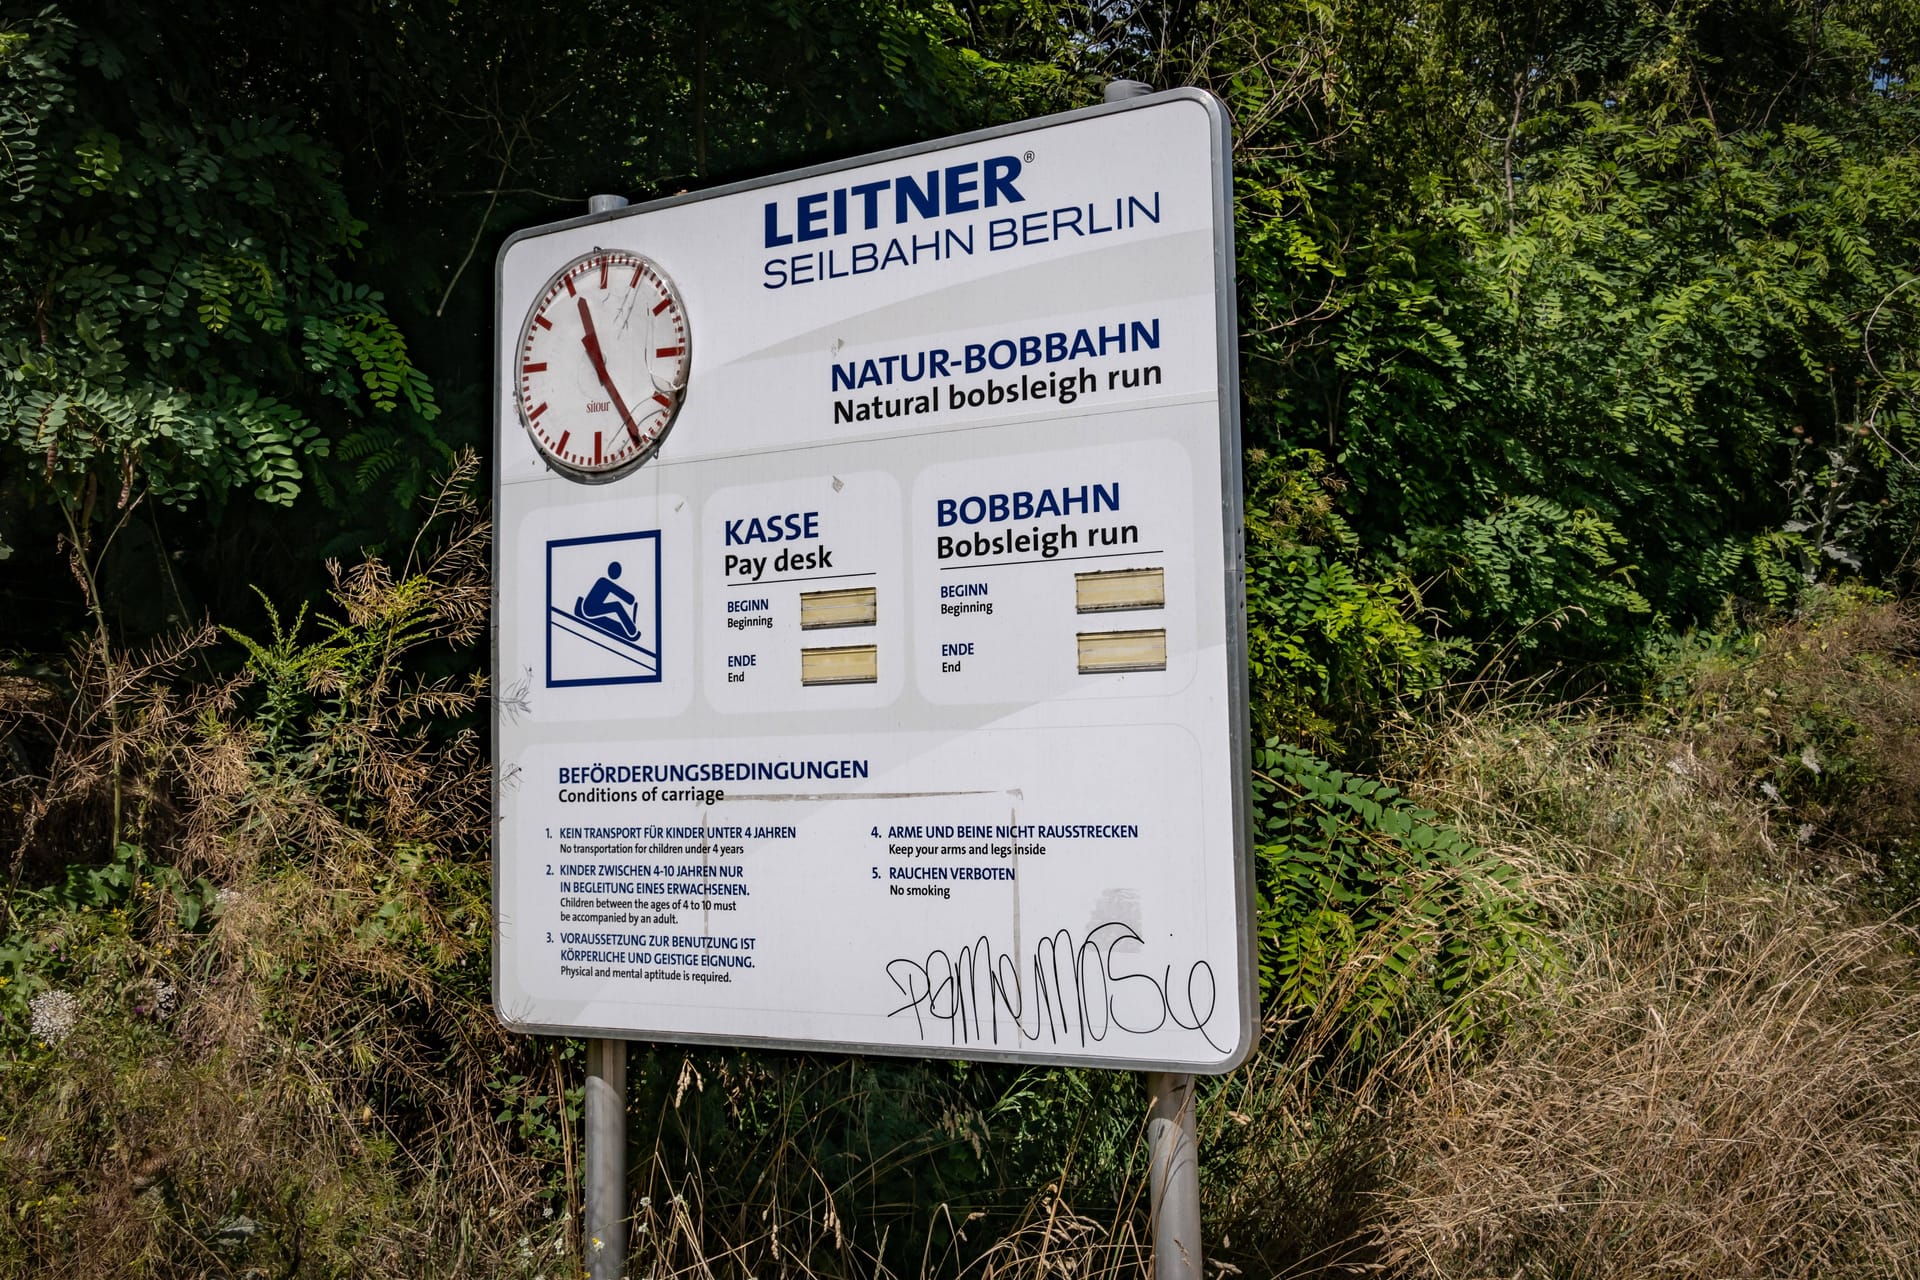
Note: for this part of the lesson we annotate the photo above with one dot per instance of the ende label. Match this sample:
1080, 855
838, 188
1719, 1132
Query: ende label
868, 611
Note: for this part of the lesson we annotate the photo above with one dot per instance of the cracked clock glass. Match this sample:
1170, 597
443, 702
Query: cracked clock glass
603, 358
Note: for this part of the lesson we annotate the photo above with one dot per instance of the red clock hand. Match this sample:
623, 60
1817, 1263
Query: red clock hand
591, 341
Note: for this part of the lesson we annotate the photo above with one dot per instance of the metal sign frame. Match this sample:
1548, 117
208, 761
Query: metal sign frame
1234, 559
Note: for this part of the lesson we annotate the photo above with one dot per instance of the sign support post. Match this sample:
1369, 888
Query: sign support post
1174, 1157
1173, 1175
603, 1225
603, 1229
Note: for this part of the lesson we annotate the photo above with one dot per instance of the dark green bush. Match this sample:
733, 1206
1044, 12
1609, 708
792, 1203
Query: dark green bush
1370, 901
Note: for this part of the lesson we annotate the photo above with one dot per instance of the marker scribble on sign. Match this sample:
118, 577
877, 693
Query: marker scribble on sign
1062, 992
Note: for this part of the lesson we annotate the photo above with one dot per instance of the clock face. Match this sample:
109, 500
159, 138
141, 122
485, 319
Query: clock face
603, 364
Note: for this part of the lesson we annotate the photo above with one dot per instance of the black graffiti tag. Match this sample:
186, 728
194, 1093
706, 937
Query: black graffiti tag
1062, 991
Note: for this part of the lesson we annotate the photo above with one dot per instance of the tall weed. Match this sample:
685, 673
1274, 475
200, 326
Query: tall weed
1720, 1081
272, 1053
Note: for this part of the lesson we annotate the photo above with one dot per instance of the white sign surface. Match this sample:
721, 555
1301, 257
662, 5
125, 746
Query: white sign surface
896, 701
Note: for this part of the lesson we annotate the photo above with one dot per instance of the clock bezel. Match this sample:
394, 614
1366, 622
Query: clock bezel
572, 471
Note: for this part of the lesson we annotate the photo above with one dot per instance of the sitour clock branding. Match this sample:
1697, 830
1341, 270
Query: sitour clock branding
604, 356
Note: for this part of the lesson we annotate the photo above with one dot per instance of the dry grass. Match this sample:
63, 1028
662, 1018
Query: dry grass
99, 750
1051, 1239
317, 1097
1739, 1102
1722, 1081
1821, 719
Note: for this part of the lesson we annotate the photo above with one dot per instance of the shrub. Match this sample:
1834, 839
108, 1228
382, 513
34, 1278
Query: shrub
273, 1047
1820, 718
1331, 645
1366, 894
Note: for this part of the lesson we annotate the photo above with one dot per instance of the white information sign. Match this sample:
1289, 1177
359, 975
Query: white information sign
869, 630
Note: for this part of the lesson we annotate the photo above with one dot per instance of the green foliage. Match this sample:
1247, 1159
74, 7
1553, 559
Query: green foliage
340, 967
129, 876
347, 717
1329, 647
1534, 562
93, 909
1685, 304
173, 322
1375, 915
1602, 314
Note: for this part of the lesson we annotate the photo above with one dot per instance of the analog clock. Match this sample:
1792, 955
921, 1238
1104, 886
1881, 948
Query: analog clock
603, 364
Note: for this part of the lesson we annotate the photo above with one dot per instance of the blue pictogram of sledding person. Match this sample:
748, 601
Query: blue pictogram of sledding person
609, 606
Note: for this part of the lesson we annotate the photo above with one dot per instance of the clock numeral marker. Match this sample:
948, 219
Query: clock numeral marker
660, 306
637, 273
537, 367
596, 448
664, 352
663, 402
534, 415
560, 446
604, 264
543, 322
568, 281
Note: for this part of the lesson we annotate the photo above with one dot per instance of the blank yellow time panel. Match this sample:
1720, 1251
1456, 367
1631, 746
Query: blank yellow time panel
1112, 590
845, 607
1108, 651
840, 664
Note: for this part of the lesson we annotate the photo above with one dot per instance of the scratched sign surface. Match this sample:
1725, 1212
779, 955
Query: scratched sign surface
896, 703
